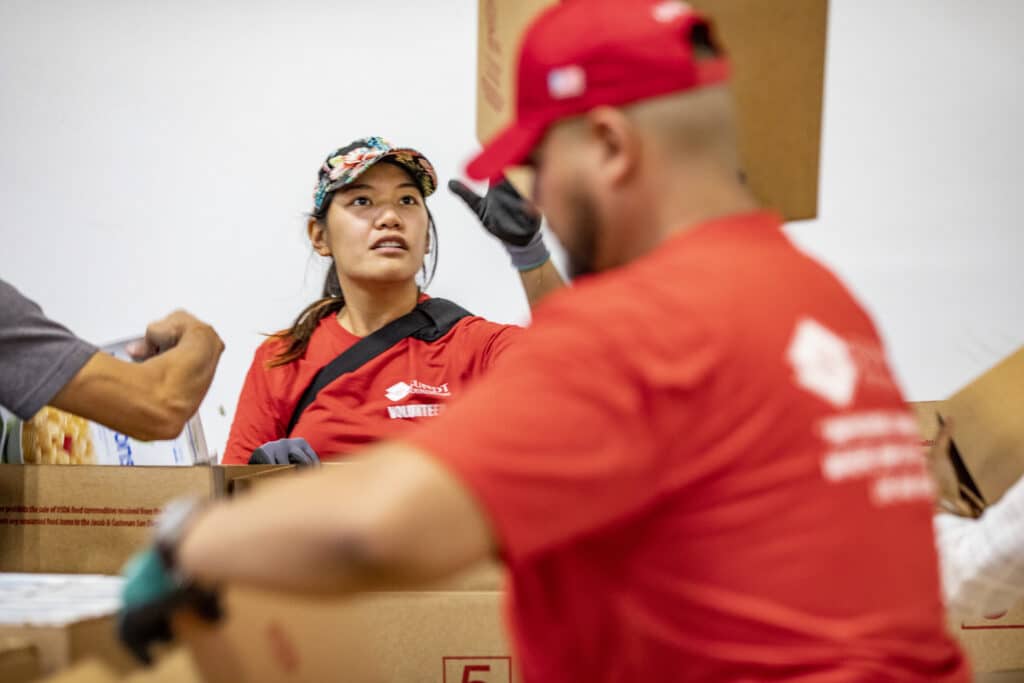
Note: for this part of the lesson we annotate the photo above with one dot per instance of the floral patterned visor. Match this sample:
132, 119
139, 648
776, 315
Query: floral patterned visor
349, 162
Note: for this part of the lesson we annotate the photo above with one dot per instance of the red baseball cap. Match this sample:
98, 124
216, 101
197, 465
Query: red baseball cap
581, 54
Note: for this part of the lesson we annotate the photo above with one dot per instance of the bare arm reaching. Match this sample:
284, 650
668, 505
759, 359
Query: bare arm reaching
516, 222
392, 516
155, 398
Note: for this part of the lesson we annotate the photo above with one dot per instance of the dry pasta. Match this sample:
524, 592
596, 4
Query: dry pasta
53, 437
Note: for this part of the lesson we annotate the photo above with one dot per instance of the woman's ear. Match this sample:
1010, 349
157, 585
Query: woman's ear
317, 231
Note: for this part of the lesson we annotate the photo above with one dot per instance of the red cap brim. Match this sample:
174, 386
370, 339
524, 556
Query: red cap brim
510, 147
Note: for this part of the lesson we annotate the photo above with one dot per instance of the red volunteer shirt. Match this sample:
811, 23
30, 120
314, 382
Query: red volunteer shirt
699, 467
407, 383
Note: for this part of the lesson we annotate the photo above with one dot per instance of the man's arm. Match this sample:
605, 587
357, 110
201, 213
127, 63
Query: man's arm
540, 281
392, 516
155, 398
516, 222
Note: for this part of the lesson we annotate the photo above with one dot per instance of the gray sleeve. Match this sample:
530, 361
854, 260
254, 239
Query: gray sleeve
37, 356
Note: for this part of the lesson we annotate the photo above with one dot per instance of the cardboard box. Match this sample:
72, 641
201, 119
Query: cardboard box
404, 637
64, 645
988, 426
994, 644
19, 661
174, 667
66, 618
88, 671
988, 419
778, 55
91, 519
988, 432
926, 413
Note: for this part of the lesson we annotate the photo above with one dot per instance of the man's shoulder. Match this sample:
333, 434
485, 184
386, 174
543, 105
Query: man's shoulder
14, 303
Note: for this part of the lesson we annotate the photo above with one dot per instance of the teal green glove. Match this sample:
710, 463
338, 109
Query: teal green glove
151, 594
145, 579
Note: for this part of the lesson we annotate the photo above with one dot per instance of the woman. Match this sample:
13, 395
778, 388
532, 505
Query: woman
370, 218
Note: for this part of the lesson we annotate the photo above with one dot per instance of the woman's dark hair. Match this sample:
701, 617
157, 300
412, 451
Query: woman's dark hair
332, 298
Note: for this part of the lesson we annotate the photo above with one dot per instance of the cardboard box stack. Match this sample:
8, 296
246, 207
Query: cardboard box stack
92, 518
19, 661
62, 618
429, 636
449, 631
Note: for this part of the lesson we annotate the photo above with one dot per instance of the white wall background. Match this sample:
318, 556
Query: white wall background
161, 155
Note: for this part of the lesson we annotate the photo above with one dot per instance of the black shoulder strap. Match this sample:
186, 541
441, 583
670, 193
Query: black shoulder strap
429, 321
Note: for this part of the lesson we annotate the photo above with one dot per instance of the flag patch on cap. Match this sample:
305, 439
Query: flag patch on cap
664, 12
566, 82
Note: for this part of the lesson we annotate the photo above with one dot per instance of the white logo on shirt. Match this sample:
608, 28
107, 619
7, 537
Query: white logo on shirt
402, 390
396, 392
414, 410
823, 363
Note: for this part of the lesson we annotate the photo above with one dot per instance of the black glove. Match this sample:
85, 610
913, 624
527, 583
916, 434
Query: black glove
503, 211
151, 595
509, 217
285, 452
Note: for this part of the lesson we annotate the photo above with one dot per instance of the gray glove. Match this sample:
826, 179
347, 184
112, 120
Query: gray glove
509, 217
285, 452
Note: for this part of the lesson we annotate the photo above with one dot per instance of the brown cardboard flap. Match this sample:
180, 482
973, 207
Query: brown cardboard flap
232, 479
86, 672
406, 637
19, 661
777, 50
500, 28
778, 55
61, 646
175, 667
926, 413
501, 25
988, 426
994, 644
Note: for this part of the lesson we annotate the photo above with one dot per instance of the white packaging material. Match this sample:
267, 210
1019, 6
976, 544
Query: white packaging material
57, 599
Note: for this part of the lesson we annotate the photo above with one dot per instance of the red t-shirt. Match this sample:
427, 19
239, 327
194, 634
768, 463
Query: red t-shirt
699, 467
406, 384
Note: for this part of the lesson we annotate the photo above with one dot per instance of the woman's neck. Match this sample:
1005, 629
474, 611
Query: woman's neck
370, 307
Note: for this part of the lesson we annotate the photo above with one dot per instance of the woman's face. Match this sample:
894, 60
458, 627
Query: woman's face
375, 228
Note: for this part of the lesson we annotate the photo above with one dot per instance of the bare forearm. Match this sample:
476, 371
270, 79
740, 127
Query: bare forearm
149, 400
393, 517
281, 538
541, 281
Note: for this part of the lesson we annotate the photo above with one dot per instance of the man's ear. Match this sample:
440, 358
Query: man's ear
619, 144
317, 232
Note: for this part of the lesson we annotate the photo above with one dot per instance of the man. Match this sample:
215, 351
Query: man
695, 464
42, 363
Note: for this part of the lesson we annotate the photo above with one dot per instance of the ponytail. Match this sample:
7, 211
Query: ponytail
298, 335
